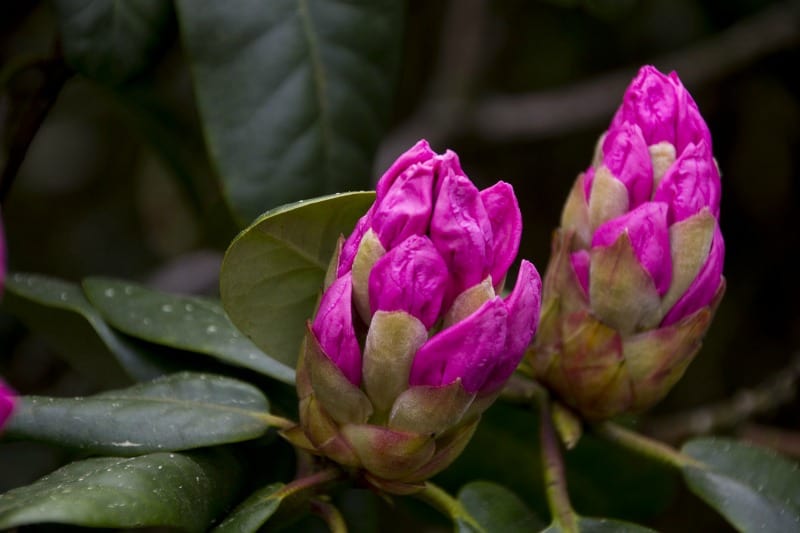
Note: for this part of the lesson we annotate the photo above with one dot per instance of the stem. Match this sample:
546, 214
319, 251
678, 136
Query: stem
330, 515
312, 482
646, 446
440, 499
554, 475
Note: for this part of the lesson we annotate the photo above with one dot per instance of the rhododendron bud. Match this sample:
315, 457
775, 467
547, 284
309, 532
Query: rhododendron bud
636, 271
6, 403
412, 341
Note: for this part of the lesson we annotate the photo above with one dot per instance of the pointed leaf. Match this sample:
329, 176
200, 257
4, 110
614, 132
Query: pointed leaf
186, 322
61, 313
112, 42
314, 81
754, 489
254, 512
186, 491
175, 412
496, 508
273, 271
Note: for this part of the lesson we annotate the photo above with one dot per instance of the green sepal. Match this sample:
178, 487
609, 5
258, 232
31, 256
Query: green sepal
622, 293
662, 156
430, 410
399, 488
448, 447
389, 454
575, 216
345, 402
608, 198
369, 251
392, 342
469, 301
568, 425
324, 435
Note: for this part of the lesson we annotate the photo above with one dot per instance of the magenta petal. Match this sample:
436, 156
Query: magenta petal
468, 350
689, 124
691, 184
461, 231
626, 155
523, 306
580, 263
406, 206
411, 277
705, 285
506, 221
7, 402
649, 234
588, 178
333, 327
353, 241
651, 103
418, 153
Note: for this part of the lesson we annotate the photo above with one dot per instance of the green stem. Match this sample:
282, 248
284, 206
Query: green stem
646, 446
440, 499
309, 483
554, 475
277, 421
330, 515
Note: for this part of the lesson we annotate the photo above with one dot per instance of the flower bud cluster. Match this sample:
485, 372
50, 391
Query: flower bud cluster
411, 341
636, 270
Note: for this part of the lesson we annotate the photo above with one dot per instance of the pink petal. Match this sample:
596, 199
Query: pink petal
523, 306
626, 155
411, 277
468, 350
690, 184
506, 221
7, 402
705, 285
647, 229
580, 263
333, 327
406, 206
461, 231
353, 241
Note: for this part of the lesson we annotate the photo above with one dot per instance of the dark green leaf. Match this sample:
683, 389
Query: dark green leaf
187, 491
61, 313
312, 93
753, 488
112, 42
602, 525
273, 271
496, 508
252, 513
175, 412
186, 322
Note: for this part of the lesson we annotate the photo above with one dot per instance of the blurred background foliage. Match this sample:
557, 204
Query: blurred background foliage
117, 182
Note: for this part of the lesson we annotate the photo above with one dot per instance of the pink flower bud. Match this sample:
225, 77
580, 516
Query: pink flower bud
411, 343
637, 266
411, 277
7, 402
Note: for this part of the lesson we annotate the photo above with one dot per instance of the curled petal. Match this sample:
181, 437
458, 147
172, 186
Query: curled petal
705, 285
6, 403
690, 184
523, 306
461, 231
626, 155
690, 127
649, 234
468, 350
506, 221
334, 330
411, 277
405, 208
419, 153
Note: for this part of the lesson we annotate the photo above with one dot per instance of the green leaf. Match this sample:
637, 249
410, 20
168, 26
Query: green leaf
61, 313
175, 412
753, 488
273, 271
496, 508
252, 513
186, 491
112, 42
186, 322
312, 93
602, 525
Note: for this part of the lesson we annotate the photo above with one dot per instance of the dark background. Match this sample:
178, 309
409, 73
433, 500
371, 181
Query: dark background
521, 90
